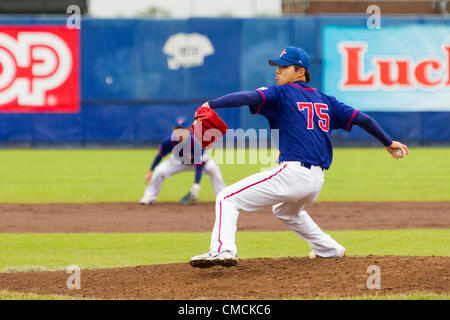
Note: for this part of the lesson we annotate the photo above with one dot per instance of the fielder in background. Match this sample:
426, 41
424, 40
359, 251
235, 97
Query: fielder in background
197, 160
305, 118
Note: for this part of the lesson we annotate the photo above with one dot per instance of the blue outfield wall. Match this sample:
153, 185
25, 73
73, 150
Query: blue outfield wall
130, 96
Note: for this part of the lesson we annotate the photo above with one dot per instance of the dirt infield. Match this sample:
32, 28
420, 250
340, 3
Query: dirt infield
172, 217
252, 278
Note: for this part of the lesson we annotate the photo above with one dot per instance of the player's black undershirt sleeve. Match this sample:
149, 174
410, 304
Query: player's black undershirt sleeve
237, 99
372, 127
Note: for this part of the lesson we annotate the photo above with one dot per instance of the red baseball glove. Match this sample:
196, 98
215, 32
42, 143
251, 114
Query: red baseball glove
208, 127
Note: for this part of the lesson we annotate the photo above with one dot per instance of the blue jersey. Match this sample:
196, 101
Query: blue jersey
305, 118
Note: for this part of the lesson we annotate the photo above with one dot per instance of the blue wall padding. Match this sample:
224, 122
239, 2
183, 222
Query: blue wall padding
129, 95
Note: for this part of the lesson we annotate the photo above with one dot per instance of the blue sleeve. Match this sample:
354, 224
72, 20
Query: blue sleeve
236, 99
155, 162
165, 148
268, 106
262, 101
372, 127
342, 115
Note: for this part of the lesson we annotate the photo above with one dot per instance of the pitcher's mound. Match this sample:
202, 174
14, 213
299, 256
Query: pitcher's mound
261, 278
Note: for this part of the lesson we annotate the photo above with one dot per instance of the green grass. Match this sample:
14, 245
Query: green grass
77, 176
373, 175
411, 296
22, 252
7, 295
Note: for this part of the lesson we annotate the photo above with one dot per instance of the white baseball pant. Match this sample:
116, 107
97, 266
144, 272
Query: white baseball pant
170, 167
287, 188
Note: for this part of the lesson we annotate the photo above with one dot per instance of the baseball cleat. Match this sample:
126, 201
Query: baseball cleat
225, 258
144, 202
313, 255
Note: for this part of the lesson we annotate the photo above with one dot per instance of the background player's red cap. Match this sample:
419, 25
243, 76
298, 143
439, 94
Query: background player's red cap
292, 55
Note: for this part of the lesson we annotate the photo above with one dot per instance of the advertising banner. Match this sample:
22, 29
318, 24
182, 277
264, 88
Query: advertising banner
39, 69
397, 68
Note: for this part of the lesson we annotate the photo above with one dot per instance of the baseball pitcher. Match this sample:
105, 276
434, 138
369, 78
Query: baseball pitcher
180, 140
305, 118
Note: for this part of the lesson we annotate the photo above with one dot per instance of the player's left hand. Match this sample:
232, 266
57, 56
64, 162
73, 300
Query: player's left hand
397, 146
